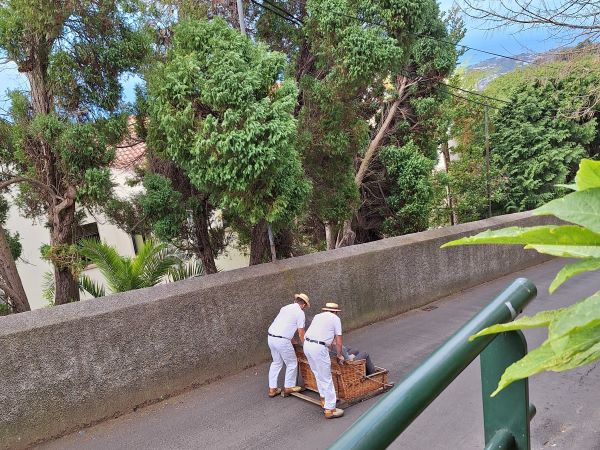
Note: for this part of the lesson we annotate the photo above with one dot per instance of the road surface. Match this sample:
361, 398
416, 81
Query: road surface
235, 413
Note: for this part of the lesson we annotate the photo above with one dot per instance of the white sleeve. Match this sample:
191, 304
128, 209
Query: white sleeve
337, 327
300, 320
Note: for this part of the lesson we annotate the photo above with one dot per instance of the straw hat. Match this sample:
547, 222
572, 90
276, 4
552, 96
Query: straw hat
334, 307
304, 298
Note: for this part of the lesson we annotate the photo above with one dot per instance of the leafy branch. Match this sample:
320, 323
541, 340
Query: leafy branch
573, 332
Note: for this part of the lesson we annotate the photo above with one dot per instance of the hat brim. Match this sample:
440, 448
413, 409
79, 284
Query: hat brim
331, 309
297, 297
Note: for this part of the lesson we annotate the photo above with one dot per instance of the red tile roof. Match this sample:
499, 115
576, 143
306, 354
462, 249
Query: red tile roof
130, 153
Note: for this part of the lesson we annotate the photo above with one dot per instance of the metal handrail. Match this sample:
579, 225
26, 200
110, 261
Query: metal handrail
386, 420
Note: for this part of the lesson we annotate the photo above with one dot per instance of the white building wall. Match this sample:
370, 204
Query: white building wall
33, 235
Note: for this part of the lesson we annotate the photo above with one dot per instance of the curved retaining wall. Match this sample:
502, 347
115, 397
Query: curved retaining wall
73, 365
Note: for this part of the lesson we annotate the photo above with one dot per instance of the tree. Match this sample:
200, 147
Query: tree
361, 68
573, 17
62, 130
154, 263
219, 110
12, 293
411, 194
573, 332
535, 146
168, 206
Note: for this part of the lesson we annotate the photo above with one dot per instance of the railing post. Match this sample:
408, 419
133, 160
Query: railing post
508, 411
380, 425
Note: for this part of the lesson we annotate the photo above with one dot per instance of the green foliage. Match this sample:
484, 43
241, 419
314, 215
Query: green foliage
217, 109
61, 132
573, 332
183, 270
13, 238
411, 196
153, 263
85, 44
5, 309
349, 81
161, 202
535, 147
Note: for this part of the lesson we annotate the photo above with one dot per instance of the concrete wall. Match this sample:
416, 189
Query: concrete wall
75, 364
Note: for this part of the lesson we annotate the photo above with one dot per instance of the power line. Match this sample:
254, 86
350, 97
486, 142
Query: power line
472, 101
298, 21
456, 44
283, 10
475, 93
290, 18
469, 48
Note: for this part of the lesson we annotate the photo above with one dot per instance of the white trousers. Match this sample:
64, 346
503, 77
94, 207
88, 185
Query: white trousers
320, 364
282, 352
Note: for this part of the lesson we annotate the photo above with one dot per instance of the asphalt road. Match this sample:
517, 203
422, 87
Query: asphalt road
235, 413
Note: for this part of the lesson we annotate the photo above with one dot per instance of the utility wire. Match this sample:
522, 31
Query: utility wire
283, 10
472, 101
475, 93
291, 18
456, 44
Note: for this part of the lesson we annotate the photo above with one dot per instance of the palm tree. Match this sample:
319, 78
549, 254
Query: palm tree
155, 262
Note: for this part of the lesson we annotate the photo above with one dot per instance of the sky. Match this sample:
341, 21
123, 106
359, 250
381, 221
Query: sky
507, 41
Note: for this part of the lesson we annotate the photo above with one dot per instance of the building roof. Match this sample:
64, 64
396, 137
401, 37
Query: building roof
131, 152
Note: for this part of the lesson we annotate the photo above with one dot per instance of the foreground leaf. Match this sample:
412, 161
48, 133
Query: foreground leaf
585, 313
544, 234
541, 319
581, 208
580, 347
567, 251
588, 175
570, 270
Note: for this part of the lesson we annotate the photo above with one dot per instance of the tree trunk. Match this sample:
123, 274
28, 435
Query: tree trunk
329, 237
67, 289
259, 244
383, 129
203, 245
10, 281
446, 154
41, 102
284, 241
63, 234
347, 236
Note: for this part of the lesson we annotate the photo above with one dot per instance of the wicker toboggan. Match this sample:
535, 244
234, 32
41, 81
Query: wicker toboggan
351, 382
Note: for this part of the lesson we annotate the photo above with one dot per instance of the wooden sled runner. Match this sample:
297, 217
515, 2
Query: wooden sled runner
352, 384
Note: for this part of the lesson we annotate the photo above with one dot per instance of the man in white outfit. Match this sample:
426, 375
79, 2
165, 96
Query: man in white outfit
281, 332
325, 329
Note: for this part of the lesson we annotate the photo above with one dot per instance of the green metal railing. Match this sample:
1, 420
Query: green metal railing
506, 416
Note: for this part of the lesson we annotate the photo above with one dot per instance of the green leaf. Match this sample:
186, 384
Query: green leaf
588, 175
580, 347
541, 319
581, 208
570, 270
90, 286
585, 313
545, 234
568, 251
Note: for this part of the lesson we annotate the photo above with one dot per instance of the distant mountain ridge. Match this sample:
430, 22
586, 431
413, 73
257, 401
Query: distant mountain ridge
494, 67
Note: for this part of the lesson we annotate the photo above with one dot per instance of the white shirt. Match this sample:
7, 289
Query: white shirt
324, 327
289, 319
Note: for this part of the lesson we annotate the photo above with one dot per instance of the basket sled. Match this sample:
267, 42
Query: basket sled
352, 384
